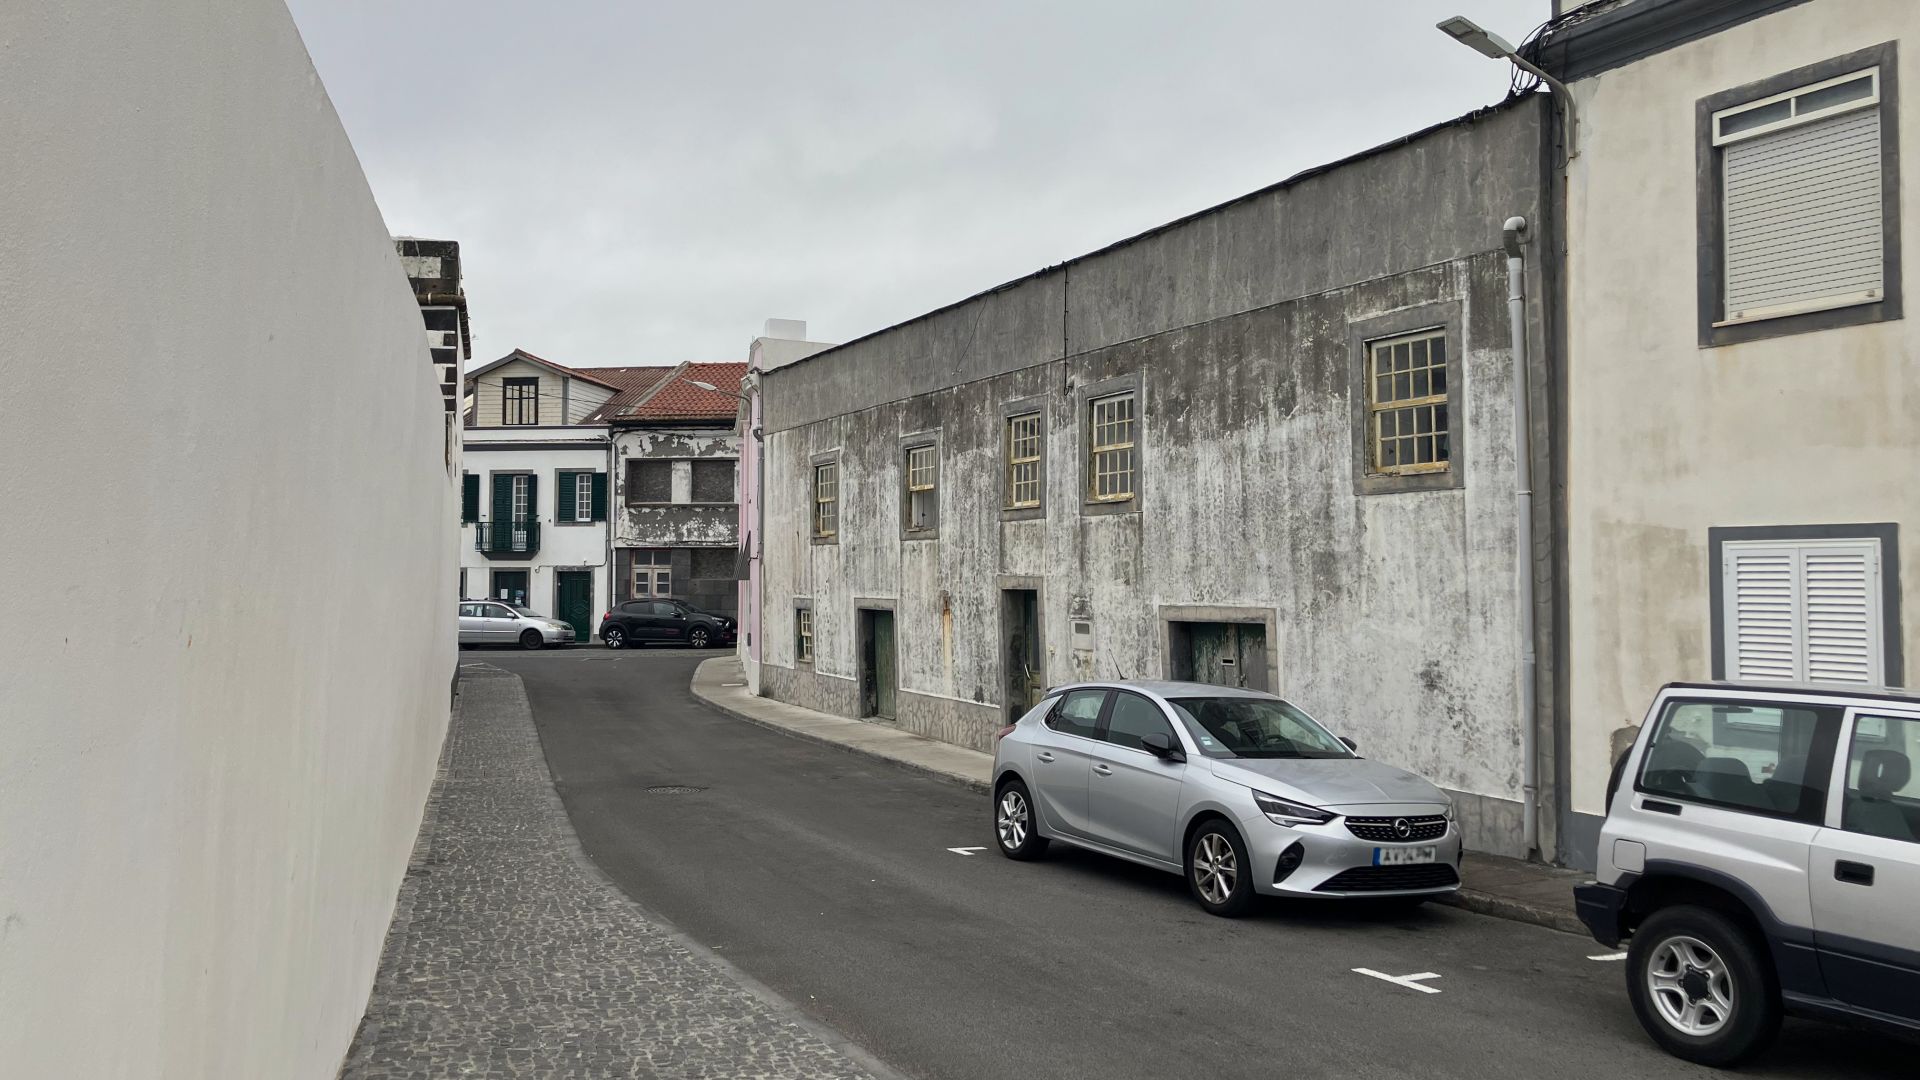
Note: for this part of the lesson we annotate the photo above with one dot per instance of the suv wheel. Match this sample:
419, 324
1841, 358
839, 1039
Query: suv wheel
1217, 870
1013, 823
1701, 987
531, 639
613, 638
697, 637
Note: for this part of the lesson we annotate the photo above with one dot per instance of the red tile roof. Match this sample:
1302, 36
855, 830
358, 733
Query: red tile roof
679, 399
631, 386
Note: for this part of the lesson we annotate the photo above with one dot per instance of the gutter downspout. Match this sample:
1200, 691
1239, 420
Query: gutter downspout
753, 383
1513, 234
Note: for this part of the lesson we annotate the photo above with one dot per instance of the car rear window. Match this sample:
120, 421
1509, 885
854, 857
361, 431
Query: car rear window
1756, 757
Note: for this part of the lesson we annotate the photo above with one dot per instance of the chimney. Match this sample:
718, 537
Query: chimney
786, 329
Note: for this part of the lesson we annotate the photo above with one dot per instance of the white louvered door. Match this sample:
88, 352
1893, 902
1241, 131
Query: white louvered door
1802, 611
1803, 216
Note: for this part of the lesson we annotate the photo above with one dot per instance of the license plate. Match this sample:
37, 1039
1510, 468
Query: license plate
1402, 856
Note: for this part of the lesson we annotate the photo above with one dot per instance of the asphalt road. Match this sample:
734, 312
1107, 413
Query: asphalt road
828, 877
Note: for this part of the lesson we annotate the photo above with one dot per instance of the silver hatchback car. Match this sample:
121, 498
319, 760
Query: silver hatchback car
1240, 791
496, 622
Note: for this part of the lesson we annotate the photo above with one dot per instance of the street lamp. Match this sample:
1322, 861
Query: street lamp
714, 389
1493, 46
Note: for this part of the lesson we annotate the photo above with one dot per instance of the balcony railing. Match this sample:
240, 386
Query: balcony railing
507, 538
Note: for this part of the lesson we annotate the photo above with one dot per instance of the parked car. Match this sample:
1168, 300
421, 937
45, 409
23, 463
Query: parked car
1240, 791
646, 622
1761, 856
496, 622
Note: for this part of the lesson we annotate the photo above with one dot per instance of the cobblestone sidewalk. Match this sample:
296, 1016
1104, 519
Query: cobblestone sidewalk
510, 956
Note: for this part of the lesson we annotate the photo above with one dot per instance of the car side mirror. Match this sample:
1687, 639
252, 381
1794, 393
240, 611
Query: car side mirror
1351, 745
1160, 746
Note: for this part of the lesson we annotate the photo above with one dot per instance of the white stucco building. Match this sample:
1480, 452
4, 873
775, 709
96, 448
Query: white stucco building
534, 506
230, 649
1739, 396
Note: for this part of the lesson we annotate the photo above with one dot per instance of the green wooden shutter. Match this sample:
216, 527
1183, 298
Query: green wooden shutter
564, 504
599, 496
469, 497
502, 499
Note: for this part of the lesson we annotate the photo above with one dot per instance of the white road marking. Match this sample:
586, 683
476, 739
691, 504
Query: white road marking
1604, 957
965, 850
1411, 982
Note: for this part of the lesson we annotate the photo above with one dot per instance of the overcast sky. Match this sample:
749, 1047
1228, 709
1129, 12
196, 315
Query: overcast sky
635, 182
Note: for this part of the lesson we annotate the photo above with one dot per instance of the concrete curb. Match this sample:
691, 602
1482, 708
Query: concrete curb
1501, 907
822, 739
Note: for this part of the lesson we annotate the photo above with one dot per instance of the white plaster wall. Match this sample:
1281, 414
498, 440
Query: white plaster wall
570, 546
224, 677
1667, 439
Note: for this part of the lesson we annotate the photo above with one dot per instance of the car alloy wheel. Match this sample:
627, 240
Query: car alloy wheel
1216, 868
1012, 820
1690, 986
613, 637
698, 638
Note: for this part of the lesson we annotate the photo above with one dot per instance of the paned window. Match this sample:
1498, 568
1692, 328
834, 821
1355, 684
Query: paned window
1115, 421
652, 573
826, 498
1407, 403
923, 475
519, 402
1023, 460
583, 496
803, 635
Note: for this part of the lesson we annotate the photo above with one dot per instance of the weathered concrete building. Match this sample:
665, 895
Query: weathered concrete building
1270, 444
676, 532
1739, 457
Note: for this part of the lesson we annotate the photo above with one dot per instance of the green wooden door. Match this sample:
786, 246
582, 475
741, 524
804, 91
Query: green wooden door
573, 601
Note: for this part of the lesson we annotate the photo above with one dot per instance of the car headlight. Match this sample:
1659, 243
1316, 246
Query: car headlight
1286, 812
1451, 813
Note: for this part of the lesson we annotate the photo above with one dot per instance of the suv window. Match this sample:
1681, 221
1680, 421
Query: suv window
1883, 797
1133, 718
1756, 757
1078, 713
665, 610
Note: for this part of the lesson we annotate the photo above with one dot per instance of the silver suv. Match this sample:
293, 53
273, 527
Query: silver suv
1239, 791
1762, 855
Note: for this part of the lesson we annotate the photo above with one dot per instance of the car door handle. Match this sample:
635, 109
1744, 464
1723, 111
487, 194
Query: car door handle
1044, 755
1853, 873
1103, 770
1659, 807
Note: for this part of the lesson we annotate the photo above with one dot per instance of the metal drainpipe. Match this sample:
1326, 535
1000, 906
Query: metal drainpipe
757, 563
1513, 233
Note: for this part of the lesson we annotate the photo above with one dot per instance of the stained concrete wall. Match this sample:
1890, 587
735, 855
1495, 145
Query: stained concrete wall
1670, 439
225, 673
1394, 613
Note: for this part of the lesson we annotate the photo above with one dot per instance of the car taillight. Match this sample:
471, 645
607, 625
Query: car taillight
1004, 732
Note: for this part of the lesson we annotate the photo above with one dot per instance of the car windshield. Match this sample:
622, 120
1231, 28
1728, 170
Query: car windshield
1227, 727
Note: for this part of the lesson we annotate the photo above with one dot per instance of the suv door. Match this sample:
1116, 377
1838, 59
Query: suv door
1133, 796
1866, 868
669, 621
1734, 786
1061, 749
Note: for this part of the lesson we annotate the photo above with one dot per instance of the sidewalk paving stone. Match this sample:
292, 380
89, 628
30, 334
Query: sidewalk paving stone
510, 954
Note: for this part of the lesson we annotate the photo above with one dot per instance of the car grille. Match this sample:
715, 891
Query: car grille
1391, 878
1380, 829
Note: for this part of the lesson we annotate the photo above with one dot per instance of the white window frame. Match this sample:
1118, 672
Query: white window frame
826, 499
653, 578
1796, 118
1102, 453
1018, 461
803, 635
923, 482
583, 496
